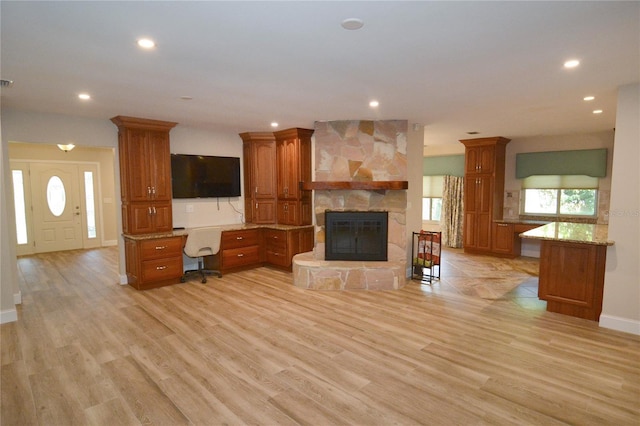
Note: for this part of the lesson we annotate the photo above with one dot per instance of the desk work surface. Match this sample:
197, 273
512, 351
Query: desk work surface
583, 233
230, 227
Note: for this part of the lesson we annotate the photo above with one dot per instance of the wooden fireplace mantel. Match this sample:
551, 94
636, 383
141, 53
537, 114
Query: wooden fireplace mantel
365, 185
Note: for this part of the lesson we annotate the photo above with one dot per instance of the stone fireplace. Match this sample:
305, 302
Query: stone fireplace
360, 166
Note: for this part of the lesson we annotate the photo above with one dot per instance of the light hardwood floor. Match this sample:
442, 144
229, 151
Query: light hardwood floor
250, 348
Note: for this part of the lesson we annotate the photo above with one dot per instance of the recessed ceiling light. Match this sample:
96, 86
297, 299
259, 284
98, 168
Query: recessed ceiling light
473, 133
374, 104
589, 98
572, 63
274, 124
352, 24
146, 43
597, 111
84, 96
186, 98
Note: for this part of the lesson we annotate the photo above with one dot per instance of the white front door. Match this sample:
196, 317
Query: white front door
57, 211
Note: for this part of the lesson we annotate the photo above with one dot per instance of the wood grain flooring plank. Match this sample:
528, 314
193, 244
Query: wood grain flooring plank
17, 406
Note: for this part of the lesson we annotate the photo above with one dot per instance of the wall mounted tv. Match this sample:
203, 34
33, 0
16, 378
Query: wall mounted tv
205, 176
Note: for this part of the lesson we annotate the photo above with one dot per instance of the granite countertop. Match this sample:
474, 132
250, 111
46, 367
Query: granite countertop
522, 221
231, 227
584, 233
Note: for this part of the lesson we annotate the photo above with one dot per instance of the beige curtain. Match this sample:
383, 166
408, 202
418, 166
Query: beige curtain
452, 217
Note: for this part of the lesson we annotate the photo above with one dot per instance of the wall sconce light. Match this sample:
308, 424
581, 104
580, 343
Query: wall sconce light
66, 147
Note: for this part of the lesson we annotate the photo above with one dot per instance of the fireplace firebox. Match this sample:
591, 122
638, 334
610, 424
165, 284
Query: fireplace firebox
356, 235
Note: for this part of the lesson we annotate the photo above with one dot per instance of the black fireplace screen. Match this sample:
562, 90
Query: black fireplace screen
355, 235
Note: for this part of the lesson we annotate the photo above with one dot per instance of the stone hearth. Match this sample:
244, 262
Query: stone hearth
358, 151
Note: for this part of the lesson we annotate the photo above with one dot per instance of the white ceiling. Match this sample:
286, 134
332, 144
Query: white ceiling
491, 67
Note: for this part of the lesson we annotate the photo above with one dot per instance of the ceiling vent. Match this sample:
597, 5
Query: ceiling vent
6, 83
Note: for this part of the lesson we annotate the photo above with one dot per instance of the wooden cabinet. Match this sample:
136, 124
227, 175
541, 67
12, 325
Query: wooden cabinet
504, 239
153, 262
145, 174
282, 245
483, 191
293, 166
240, 249
259, 161
572, 278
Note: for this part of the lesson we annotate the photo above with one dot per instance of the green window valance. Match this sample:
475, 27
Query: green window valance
589, 162
452, 165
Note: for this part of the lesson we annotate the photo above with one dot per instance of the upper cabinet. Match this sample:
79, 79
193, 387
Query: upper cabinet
259, 161
145, 174
293, 166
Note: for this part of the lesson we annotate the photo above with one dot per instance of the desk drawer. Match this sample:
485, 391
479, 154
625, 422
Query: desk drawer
241, 257
158, 248
161, 269
276, 240
244, 238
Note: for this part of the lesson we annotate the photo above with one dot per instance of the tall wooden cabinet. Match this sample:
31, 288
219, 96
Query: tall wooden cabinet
152, 258
145, 174
293, 165
259, 160
483, 190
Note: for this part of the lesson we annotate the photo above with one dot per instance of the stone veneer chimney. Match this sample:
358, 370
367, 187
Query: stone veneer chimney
358, 154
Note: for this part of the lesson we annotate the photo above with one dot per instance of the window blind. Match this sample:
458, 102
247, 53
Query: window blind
560, 182
589, 162
432, 186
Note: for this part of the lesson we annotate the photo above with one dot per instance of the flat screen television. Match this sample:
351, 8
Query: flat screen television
205, 176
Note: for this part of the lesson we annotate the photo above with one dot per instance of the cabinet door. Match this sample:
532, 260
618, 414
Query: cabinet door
140, 218
159, 165
263, 172
264, 211
137, 161
288, 212
503, 238
287, 164
480, 160
162, 218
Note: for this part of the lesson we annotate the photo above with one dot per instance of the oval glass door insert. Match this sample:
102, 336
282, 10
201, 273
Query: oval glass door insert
56, 196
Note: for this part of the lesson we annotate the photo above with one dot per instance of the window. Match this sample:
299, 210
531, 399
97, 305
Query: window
560, 195
20, 206
431, 208
90, 206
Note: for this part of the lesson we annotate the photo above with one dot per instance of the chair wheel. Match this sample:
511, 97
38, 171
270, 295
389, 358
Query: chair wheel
182, 279
204, 280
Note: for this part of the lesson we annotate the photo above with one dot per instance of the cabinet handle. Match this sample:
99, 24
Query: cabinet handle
239, 238
256, 189
153, 191
161, 247
148, 190
150, 211
241, 255
503, 224
154, 210
160, 268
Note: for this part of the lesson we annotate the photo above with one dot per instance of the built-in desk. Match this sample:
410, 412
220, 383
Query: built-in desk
572, 265
155, 260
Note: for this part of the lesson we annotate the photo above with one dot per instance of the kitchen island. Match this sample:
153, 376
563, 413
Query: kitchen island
572, 265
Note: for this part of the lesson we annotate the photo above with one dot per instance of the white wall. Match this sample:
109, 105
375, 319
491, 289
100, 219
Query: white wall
621, 304
415, 147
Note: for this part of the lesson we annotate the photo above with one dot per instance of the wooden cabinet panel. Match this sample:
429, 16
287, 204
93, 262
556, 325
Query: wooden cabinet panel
159, 248
572, 278
243, 256
293, 159
242, 238
259, 151
484, 185
504, 238
153, 262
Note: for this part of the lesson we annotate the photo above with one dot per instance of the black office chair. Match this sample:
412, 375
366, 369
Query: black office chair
202, 242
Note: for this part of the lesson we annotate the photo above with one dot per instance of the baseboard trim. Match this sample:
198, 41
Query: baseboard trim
625, 325
123, 280
17, 298
109, 243
8, 315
